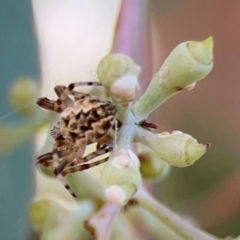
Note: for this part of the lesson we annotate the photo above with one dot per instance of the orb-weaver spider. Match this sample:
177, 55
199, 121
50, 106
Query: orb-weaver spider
85, 119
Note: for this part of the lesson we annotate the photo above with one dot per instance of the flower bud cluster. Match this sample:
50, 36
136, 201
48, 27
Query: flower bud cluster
122, 175
188, 63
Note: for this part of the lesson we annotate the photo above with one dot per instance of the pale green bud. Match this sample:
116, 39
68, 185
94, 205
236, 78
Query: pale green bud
179, 149
176, 148
188, 63
121, 177
114, 66
118, 74
22, 96
59, 219
151, 166
47, 214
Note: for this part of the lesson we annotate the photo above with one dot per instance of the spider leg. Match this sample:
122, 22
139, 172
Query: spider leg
59, 91
75, 167
68, 90
44, 158
51, 159
64, 163
102, 150
84, 166
48, 157
106, 140
81, 149
61, 148
59, 167
49, 104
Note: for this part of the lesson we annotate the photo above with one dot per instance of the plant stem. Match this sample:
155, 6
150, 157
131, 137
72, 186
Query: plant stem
170, 219
151, 225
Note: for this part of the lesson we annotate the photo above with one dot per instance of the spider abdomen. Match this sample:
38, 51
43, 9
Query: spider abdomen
88, 119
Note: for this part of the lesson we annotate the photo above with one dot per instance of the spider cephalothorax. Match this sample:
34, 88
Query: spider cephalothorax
84, 120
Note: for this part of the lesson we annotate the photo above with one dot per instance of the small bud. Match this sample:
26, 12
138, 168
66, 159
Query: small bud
125, 159
188, 63
180, 149
59, 219
47, 214
115, 194
152, 167
118, 74
125, 87
121, 177
114, 66
22, 97
177, 149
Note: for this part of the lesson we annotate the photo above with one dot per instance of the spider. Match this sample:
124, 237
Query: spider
85, 119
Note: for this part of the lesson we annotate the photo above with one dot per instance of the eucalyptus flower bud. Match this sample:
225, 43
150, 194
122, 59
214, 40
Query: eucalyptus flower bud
121, 177
114, 66
151, 166
59, 219
47, 214
118, 74
177, 149
22, 96
188, 63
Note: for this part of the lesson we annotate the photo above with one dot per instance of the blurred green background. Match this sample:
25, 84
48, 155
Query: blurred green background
18, 57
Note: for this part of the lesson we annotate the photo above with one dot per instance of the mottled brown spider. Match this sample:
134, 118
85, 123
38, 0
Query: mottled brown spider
85, 119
